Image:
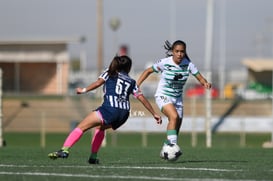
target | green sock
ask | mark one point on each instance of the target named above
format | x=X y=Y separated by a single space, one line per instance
x=171 y=132
x=172 y=136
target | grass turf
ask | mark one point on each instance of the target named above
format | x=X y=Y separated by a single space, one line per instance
x=24 y=159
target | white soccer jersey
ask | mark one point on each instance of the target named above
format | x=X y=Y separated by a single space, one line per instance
x=173 y=76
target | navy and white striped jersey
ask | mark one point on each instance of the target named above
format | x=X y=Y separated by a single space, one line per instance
x=118 y=89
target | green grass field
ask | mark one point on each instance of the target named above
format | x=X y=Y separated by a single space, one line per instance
x=24 y=159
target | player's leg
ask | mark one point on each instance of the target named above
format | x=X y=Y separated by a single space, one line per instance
x=172 y=134
x=167 y=107
x=90 y=121
x=173 y=118
x=97 y=140
x=114 y=119
x=180 y=110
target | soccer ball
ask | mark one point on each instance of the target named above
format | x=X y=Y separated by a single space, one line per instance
x=170 y=152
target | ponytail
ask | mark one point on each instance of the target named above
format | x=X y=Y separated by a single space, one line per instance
x=168 y=47
x=113 y=67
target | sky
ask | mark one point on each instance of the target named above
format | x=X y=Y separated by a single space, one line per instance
x=241 y=28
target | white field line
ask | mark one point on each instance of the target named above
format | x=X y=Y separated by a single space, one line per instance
x=127 y=167
x=117 y=177
x=113 y=176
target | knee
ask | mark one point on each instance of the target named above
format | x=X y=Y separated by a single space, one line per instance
x=174 y=118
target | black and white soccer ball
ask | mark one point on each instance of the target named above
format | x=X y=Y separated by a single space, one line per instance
x=170 y=152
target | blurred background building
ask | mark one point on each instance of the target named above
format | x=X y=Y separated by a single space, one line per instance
x=35 y=66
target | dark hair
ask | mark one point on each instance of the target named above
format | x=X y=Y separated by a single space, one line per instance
x=120 y=64
x=169 y=47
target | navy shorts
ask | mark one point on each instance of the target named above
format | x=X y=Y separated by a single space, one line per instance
x=113 y=116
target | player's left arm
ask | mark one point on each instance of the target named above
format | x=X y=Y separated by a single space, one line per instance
x=193 y=69
x=202 y=80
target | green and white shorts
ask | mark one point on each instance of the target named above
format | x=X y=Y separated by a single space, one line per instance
x=163 y=100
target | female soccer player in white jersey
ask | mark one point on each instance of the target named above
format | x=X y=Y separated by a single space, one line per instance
x=175 y=70
x=114 y=110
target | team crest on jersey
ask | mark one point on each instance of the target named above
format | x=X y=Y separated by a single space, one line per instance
x=177 y=77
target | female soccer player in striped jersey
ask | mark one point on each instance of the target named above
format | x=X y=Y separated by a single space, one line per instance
x=175 y=70
x=114 y=110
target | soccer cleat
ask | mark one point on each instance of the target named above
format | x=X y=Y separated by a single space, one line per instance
x=93 y=161
x=59 y=154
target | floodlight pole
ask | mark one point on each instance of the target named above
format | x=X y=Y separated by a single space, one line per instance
x=114 y=25
x=272 y=107
x=222 y=68
x=208 y=52
x=100 y=35
x=271 y=20
x=83 y=59
x=1 y=115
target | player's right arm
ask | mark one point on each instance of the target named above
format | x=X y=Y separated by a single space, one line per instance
x=100 y=81
x=91 y=87
x=149 y=107
x=139 y=96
